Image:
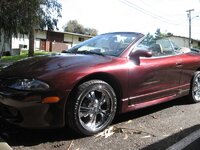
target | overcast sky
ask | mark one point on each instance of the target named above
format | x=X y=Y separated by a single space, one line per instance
x=133 y=15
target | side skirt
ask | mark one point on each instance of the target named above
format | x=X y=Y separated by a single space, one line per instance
x=126 y=106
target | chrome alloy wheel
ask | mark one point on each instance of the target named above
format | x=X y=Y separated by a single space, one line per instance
x=196 y=87
x=96 y=109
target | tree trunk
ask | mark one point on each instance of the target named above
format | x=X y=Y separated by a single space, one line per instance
x=1 y=42
x=5 y=43
x=31 y=43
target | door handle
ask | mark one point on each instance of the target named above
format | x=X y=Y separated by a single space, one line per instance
x=178 y=64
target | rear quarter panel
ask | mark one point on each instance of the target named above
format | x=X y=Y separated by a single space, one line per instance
x=190 y=64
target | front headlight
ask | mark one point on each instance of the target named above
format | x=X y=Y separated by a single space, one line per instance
x=28 y=84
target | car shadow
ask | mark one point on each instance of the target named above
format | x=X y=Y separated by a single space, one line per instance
x=150 y=110
x=16 y=136
x=173 y=139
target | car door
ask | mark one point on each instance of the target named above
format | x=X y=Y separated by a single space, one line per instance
x=155 y=77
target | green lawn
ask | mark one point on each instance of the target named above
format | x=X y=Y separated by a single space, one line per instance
x=6 y=60
x=18 y=57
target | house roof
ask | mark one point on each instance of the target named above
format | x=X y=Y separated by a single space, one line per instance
x=184 y=37
x=69 y=33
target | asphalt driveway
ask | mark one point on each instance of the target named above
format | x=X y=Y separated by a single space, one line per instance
x=157 y=127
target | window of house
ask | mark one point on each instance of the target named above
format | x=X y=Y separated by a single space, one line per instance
x=80 y=39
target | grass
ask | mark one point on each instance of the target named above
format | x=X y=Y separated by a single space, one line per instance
x=23 y=55
x=6 y=60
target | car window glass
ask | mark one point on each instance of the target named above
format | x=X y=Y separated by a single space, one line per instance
x=159 y=47
x=112 y=44
x=166 y=46
x=177 y=49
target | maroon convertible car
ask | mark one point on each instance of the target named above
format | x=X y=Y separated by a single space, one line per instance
x=85 y=86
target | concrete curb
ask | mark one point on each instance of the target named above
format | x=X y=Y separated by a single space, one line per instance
x=4 y=145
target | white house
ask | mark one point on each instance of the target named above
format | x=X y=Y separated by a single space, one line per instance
x=44 y=40
x=21 y=42
x=184 y=41
x=50 y=40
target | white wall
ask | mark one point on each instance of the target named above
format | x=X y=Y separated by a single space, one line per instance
x=72 y=40
x=69 y=39
x=40 y=34
x=37 y=44
x=75 y=40
x=25 y=41
x=20 y=41
x=183 y=42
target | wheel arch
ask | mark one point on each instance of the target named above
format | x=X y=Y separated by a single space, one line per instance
x=191 y=98
x=108 y=78
x=191 y=81
x=198 y=69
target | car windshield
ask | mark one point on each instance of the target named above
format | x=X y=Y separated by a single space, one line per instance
x=112 y=44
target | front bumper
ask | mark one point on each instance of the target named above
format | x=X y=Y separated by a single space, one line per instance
x=26 y=110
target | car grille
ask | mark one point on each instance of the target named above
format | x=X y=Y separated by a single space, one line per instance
x=10 y=113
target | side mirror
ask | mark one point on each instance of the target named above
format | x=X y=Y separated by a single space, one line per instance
x=141 y=53
x=135 y=56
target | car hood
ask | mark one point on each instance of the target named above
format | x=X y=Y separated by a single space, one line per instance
x=39 y=65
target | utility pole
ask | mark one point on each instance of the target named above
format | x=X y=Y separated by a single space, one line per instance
x=189 y=17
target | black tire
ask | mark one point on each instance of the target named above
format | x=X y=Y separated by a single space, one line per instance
x=91 y=107
x=194 y=96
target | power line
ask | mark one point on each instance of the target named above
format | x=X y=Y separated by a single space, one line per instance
x=154 y=8
x=136 y=7
x=130 y=4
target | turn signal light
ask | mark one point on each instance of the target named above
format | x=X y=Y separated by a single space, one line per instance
x=53 y=99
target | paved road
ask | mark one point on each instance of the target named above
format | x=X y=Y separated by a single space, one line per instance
x=191 y=141
x=157 y=127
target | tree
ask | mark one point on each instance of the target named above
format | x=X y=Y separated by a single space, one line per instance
x=75 y=27
x=90 y=31
x=24 y=16
x=169 y=34
x=158 y=34
x=149 y=39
